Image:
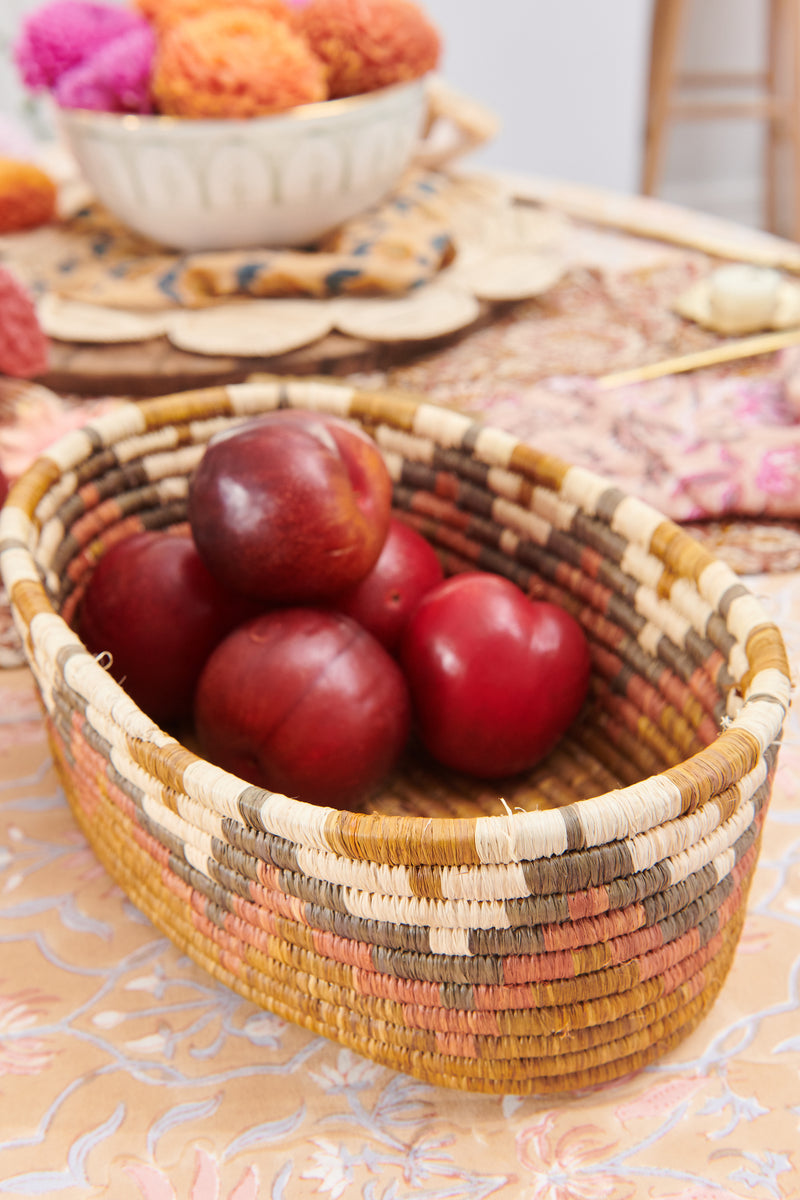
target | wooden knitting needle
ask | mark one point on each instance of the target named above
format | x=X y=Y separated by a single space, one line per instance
x=749 y=347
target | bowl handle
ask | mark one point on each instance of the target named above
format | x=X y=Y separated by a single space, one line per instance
x=455 y=125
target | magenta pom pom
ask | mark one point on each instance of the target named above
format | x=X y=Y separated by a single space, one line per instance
x=116 y=78
x=63 y=34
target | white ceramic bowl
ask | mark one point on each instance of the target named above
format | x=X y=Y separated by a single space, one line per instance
x=282 y=180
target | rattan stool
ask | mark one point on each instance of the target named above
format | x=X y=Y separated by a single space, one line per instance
x=774 y=98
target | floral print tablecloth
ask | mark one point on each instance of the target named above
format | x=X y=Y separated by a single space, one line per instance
x=127 y=1073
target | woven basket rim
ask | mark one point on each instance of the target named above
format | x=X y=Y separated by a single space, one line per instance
x=633 y=809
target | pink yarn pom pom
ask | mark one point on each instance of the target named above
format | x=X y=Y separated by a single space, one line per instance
x=63 y=34
x=116 y=78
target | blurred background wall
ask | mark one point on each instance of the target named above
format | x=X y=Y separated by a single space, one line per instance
x=568 y=82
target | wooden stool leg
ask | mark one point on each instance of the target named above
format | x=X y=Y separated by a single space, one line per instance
x=774 y=126
x=793 y=120
x=668 y=18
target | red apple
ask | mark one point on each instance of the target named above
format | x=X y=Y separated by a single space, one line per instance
x=305 y=702
x=153 y=605
x=495 y=678
x=292 y=507
x=383 y=601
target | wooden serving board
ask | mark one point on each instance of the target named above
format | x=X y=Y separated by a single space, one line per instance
x=156 y=367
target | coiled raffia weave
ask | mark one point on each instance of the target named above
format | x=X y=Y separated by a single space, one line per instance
x=556 y=935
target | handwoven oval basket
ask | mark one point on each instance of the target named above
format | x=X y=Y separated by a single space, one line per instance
x=545 y=935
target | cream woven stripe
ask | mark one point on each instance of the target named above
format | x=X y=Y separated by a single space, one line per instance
x=404 y=910
x=521 y=520
x=62 y=489
x=200 y=816
x=771 y=682
x=661 y=614
x=394 y=465
x=471 y=884
x=252 y=398
x=738 y=662
x=495 y=447
x=165 y=438
x=687 y=600
x=172 y=463
x=213 y=787
x=558 y=512
x=715 y=581
x=124 y=421
x=724 y=863
x=636 y=521
x=583 y=489
x=505 y=483
x=203 y=431
x=745 y=614
x=70 y=450
x=662 y=843
x=451 y=942
x=514 y=839
x=18 y=567
x=649 y=638
x=718 y=842
x=763 y=719
x=406 y=445
x=17 y=525
x=642 y=566
x=50 y=538
x=509 y=542
x=447 y=428
x=109 y=726
x=363 y=876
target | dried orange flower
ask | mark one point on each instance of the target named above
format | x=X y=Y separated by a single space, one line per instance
x=234 y=62
x=369 y=44
x=27 y=196
x=166 y=13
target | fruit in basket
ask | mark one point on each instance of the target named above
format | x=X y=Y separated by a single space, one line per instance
x=303 y=701
x=383 y=601
x=234 y=62
x=155 y=608
x=495 y=678
x=292 y=507
x=369 y=44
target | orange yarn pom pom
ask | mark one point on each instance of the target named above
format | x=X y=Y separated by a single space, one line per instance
x=234 y=62
x=27 y=196
x=369 y=44
x=165 y=13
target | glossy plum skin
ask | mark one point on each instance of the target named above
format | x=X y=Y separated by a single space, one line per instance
x=291 y=507
x=155 y=608
x=305 y=702
x=495 y=678
x=384 y=600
